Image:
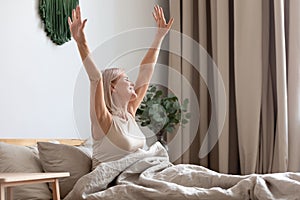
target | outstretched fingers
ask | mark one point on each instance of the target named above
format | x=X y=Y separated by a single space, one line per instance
x=155 y=13
x=83 y=23
x=159 y=12
x=73 y=15
x=160 y=19
x=156 y=10
x=155 y=17
x=170 y=23
x=69 y=21
x=78 y=13
x=163 y=16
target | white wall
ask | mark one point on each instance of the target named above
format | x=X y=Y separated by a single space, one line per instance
x=38 y=79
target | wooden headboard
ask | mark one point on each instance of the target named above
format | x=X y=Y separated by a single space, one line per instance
x=28 y=142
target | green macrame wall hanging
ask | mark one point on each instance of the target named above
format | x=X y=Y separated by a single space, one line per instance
x=54 y=14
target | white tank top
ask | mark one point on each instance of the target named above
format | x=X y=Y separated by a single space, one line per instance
x=122 y=138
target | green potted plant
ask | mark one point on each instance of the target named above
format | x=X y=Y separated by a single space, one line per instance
x=162 y=113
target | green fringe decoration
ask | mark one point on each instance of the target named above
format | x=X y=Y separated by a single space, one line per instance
x=54 y=15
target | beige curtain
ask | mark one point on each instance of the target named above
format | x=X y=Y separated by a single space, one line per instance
x=255 y=46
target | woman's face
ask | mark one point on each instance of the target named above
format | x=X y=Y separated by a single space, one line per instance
x=125 y=88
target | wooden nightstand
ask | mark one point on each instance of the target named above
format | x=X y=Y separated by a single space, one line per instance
x=8 y=180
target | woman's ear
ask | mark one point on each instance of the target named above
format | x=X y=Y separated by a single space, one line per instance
x=112 y=87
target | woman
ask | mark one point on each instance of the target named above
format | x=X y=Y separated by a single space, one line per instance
x=114 y=99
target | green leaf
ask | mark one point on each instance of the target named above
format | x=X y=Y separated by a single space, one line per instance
x=142 y=106
x=145 y=114
x=158 y=94
x=173 y=98
x=188 y=115
x=186 y=101
x=157 y=117
x=144 y=123
x=152 y=88
x=139 y=112
x=167 y=105
x=176 y=105
x=169 y=129
x=184 y=121
x=185 y=104
x=148 y=96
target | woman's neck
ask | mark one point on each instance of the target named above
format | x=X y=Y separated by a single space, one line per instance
x=122 y=108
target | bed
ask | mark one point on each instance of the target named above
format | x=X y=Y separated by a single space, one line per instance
x=145 y=175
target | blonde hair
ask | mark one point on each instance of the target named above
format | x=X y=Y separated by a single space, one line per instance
x=109 y=76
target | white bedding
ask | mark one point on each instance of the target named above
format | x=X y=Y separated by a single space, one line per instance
x=150 y=175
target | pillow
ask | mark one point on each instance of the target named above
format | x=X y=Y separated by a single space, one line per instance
x=15 y=158
x=64 y=158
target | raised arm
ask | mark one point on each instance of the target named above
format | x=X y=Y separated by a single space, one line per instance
x=77 y=30
x=150 y=59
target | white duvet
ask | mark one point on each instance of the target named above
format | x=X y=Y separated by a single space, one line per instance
x=150 y=175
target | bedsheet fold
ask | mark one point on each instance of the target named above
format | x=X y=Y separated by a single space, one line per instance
x=150 y=175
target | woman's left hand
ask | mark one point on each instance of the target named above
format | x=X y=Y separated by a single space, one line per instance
x=163 y=27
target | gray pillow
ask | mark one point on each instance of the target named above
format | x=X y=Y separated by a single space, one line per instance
x=15 y=158
x=64 y=158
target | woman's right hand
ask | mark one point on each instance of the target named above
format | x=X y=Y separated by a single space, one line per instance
x=77 y=26
x=159 y=16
